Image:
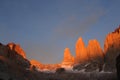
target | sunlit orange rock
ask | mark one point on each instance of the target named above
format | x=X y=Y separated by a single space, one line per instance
x=13 y=56
x=17 y=48
x=44 y=67
x=81 y=52
x=68 y=58
x=112 y=40
x=112 y=49
x=36 y=64
x=94 y=50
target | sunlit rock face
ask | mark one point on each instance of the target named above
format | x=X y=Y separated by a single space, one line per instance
x=94 y=58
x=81 y=52
x=13 y=66
x=13 y=57
x=112 y=49
x=17 y=48
x=14 y=53
x=68 y=58
x=112 y=40
x=17 y=54
x=85 y=54
x=37 y=64
x=44 y=67
x=90 y=58
x=94 y=50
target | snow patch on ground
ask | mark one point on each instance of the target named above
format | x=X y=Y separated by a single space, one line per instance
x=68 y=68
x=87 y=64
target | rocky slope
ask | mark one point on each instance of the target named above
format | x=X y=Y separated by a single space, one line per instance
x=98 y=57
x=10 y=52
x=37 y=64
x=17 y=49
x=13 y=64
x=112 y=49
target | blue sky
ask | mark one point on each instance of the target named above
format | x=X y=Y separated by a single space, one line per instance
x=45 y=27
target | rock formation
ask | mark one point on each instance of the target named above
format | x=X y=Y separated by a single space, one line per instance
x=111 y=49
x=17 y=48
x=37 y=64
x=81 y=52
x=12 y=64
x=91 y=57
x=15 y=65
x=4 y=50
x=94 y=50
x=95 y=58
x=68 y=58
x=118 y=66
x=16 y=54
x=44 y=67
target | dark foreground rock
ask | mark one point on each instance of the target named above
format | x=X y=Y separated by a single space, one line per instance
x=118 y=66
